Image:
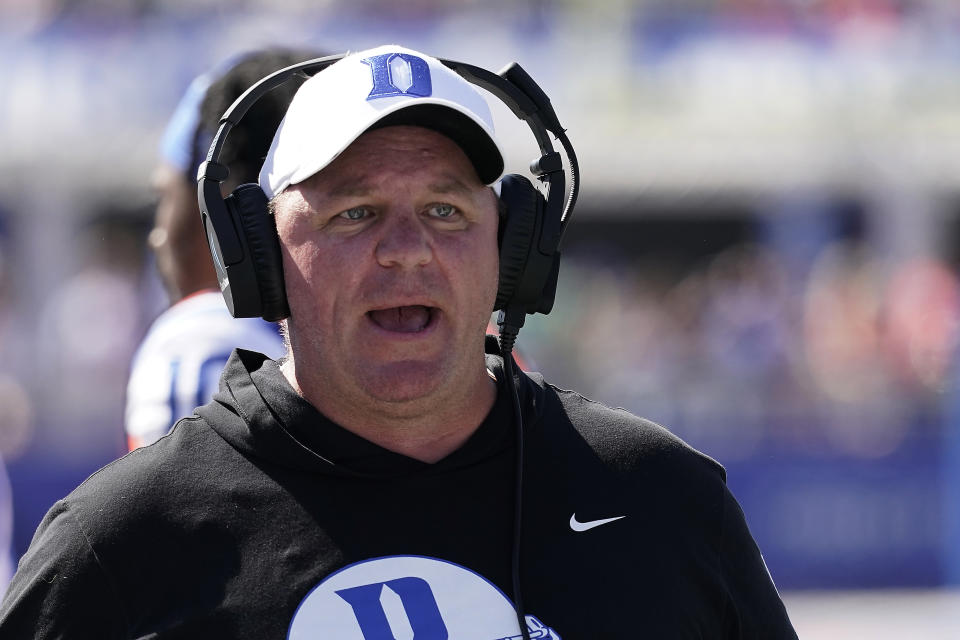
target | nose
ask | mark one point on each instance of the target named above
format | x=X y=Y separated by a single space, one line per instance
x=404 y=242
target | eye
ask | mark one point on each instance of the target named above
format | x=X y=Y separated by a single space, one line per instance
x=355 y=213
x=442 y=210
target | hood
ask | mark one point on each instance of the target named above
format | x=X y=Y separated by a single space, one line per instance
x=259 y=414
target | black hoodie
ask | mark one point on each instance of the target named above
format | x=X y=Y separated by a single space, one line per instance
x=259 y=518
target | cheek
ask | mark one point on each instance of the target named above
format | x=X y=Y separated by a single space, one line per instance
x=301 y=273
x=491 y=262
x=320 y=279
x=481 y=263
x=298 y=249
x=493 y=253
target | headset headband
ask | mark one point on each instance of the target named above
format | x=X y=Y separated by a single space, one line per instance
x=512 y=86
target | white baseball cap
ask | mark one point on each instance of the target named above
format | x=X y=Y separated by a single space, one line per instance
x=388 y=85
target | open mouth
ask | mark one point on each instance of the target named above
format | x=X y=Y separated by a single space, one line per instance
x=409 y=319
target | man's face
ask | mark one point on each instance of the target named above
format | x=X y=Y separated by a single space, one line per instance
x=390 y=260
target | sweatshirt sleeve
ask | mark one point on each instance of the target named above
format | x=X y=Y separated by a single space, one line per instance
x=754 y=608
x=60 y=590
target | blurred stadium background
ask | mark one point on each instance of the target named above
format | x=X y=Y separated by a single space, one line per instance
x=765 y=257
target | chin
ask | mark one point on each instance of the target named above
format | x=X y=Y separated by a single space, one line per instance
x=404 y=381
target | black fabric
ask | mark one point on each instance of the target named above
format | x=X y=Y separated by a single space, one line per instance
x=523 y=204
x=222 y=528
x=250 y=203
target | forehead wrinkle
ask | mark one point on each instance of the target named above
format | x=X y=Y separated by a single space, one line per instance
x=450 y=184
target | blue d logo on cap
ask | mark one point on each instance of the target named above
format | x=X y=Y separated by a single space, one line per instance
x=398 y=74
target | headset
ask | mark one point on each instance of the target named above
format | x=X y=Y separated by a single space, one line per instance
x=243 y=239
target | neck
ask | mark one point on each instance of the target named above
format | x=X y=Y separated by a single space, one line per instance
x=426 y=429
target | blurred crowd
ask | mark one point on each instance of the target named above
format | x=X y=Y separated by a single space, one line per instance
x=782 y=9
x=741 y=352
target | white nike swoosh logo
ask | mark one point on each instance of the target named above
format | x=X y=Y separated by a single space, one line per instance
x=584 y=526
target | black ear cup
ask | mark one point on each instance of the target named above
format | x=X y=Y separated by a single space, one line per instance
x=248 y=206
x=524 y=209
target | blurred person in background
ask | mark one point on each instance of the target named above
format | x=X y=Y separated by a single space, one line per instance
x=178 y=364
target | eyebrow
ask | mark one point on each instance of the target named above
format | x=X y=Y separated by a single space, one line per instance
x=348 y=189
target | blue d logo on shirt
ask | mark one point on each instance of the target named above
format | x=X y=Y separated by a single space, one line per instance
x=409 y=598
x=398 y=74
x=417 y=600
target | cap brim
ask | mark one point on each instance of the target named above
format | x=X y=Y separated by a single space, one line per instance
x=476 y=144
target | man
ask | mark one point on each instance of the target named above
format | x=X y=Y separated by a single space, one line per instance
x=364 y=486
x=178 y=364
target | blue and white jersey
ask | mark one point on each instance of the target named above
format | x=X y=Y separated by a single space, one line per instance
x=177 y=366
